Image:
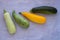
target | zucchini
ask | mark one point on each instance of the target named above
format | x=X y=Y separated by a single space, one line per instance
x=20 y=20
x=10 y=24
x=34 y=18
x=44 y=10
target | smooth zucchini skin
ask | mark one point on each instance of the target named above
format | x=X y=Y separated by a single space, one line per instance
x=9 y=23
x=34 y=18
x=44 y=10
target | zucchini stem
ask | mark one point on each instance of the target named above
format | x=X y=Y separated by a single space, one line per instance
x=4 y=11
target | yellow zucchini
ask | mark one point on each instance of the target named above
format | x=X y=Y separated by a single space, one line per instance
x=34 y=18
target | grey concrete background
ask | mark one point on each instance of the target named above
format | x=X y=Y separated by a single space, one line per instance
x=48 y=31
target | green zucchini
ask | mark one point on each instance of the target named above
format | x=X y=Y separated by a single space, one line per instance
x=20 y=20
x=44 y=10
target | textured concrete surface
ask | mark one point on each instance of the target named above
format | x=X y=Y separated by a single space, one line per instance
x=48 y=31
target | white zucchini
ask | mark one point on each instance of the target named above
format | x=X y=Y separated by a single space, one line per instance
x=10 y=25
